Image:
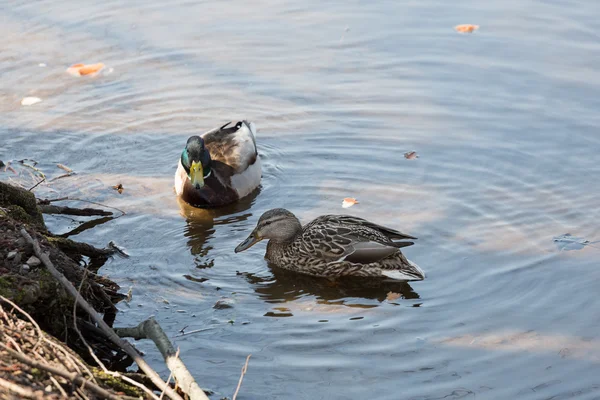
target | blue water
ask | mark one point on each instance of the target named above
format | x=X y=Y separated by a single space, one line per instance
x=505 y=122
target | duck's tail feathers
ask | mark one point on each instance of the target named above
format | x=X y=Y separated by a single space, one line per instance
x=410 y=272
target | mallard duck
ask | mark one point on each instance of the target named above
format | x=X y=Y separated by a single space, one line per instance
x=219 y=167
x=333 y=245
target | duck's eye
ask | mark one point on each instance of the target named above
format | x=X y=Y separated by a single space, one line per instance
x=268 y=223
x=238 y=125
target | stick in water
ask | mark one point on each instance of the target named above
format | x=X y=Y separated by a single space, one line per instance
x=244 y=369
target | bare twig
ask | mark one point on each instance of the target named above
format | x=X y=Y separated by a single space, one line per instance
x=98 y=204
x=71 y=376
x=48 y=201
x=170 y=376
x=85 y=343
x=244 y=369
x=39 y=171
x=36 y=185
x=65 y=168
x=126 y=346
x=150 y=329
x=61 y=176
x=37 y=327
x=60 y=389
x=192 y=332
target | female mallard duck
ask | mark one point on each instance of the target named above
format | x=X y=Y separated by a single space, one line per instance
x=333 y=245
x=220 y=167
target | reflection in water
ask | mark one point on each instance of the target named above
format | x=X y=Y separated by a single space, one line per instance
x=289 y=286
x=201 y=222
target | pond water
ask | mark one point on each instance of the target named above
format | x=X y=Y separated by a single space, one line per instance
x=506 y=125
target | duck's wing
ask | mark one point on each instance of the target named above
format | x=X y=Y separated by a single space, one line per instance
x=233 y=145
x=345 y=238
x=367 y=227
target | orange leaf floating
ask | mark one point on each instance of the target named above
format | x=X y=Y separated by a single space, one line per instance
x=84 y=69
x=349 y=202
x=466 y=28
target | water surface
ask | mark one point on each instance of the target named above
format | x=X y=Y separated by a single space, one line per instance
x=505 y=122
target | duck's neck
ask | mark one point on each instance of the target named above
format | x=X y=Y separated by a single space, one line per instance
x=277 y=248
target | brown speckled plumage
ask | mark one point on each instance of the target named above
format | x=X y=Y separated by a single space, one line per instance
x=333 y=245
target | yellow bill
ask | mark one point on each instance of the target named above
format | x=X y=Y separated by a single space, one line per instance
x=197 y=175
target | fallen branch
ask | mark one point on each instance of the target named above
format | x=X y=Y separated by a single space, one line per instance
x=126 y=346
x=48 y=201
x=150 y=329
x=100 y=363
x=244 y=369
x=84 y=212
x=71 y=376
x=170 y=376
x=71 y=246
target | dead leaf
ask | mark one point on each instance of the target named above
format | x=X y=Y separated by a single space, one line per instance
x=392 y=296
x=349 y=202
x=411 y=155
x=84 y=69
x=119 y=188
x=466 y=28
x=29 y=101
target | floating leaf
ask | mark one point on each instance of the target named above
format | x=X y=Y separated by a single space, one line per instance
x=29 y=101
x=84 y=69
x=466 y=28
x=411 y=155
x=569 y=242
x=349 y=202
x=191 y=278
x=119 y=188
x=392 y=296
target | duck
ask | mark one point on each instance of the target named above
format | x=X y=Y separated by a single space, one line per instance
x=220 y=167
x=333 y=246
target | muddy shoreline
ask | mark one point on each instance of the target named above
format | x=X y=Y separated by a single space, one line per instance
x=25 y=282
